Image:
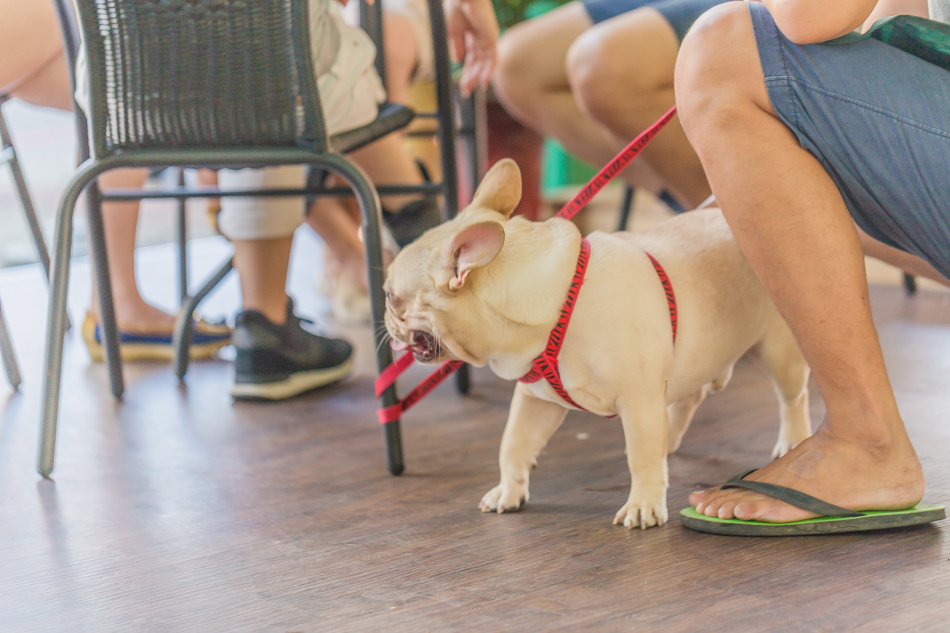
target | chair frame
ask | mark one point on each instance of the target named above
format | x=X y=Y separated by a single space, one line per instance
x=8 y=156
x=84 y=180
x=367 y=195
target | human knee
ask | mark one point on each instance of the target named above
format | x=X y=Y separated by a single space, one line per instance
x=616 y=68
x=713 y=64
x=591 y=74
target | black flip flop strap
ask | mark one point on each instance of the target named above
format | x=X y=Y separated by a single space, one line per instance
x=790 y=496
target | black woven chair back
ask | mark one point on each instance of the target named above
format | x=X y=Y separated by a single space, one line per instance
x=174 y=74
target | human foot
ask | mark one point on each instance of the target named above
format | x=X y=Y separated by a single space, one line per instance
x=276 y=362
x=137 y=316
x=841 y=472
x=146 y=335
x=346 y=283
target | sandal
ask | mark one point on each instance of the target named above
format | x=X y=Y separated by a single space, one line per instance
x=142 y=344
x=833 y=519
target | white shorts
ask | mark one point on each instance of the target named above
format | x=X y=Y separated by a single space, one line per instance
x=350 y=94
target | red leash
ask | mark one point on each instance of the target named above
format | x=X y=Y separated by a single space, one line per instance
x=568 y=211
x=614 y=167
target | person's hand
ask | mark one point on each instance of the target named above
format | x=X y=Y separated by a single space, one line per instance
x=473 y=34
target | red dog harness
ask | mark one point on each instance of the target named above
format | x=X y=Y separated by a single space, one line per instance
x=542 y=365
x=546 y=366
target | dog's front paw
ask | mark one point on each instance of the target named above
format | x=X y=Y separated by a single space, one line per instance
x=504 y=498
x=642 y=514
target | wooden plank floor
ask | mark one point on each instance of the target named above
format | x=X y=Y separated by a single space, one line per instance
x=180 y=511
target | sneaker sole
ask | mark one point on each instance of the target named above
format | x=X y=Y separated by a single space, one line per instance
x=293 y=385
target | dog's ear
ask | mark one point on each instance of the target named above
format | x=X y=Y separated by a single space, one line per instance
x=501 y=188
x=473 y=247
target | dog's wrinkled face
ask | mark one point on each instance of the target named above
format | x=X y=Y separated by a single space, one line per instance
x=429 y=285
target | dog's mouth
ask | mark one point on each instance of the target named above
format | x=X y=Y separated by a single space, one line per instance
x=424 y=346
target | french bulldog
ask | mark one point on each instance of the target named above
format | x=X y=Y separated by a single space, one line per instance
x=487 y=288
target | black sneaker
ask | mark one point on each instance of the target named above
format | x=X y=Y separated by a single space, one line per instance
x=275 y=362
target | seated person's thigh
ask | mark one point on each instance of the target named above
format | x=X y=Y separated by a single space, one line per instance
x=878 y=120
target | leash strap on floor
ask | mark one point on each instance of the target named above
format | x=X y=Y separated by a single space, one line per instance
x=389 y=375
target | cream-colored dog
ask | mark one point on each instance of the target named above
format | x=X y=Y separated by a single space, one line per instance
x=487 y=288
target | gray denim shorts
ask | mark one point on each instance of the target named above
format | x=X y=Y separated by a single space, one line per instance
x=878 y=119
x=679 y=13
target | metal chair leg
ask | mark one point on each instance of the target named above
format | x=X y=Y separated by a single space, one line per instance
x=910 y=284
x=626 y=206
x=181 y=338
x=372 y=220
x=100 y=262
x=56 y=322
x=445 y=109
x=472 y=133
x=9 y=357
x=25 y=199
x=182 y=242
x=446 y=113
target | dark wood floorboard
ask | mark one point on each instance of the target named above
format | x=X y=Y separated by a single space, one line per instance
x=178 y=510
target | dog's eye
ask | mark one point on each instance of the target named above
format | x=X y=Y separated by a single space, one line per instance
x=393 y=300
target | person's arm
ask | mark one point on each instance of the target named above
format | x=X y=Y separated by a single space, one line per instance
x=813 y=21
x=473 y=33
x=472 y=29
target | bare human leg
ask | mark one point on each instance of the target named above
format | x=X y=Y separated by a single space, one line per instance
x=402 y=56
x=337 y=221
x=621 y=74
x=121 y=219
x=790 y=220
x=338 y=226
x=898 y=258
x=262 y=266
x=31 y=42
x=532 y=83
x=34 y=69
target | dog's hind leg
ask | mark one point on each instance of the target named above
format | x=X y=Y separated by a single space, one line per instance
x=681 y=412
x=531 y=423
x=779 y=354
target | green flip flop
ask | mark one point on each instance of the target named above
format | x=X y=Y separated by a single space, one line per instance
x=833 y=520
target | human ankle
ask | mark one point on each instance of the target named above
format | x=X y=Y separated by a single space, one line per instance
x=272 y=314
x=871 y=421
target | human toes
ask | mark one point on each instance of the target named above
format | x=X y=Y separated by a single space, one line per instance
x=712 y=503
x=757 y=507
x=700 y=497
